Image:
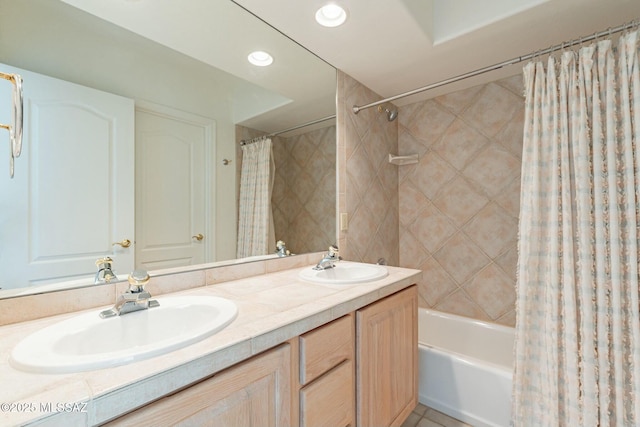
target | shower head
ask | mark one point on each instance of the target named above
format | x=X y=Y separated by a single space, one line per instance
x=391 y=114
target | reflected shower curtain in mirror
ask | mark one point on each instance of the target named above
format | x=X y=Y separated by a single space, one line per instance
x=578 y=323
x=256 y=183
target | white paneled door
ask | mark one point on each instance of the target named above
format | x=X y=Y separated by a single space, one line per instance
x=72 y=197
x=173 y=224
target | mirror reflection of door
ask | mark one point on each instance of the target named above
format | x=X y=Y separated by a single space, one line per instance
x=173 y=174
x=72 y=195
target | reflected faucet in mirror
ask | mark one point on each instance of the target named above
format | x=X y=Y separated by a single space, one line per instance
x=281 y=249
x=105 y=272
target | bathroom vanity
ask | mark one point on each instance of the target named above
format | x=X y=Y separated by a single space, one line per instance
x=298 y=353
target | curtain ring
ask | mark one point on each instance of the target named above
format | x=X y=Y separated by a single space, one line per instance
x=565 y=47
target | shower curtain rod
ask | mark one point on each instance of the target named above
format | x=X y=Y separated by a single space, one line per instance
x=594 y=36
x=313 y=122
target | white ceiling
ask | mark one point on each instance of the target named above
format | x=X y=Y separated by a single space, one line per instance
x=388 y=45
x=300 y=87
x=391 y=46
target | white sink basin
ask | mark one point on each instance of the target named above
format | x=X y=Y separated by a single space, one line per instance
x=345 y=273
x=87 y=341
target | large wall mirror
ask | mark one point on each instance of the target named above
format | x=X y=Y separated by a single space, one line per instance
x=173 y=73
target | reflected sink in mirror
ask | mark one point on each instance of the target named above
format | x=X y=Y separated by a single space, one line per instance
x=344 y=273
x=87 y=341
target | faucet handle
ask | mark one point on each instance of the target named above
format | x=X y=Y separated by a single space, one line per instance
x=333 y=250
x=137 y=280
x=104 y=262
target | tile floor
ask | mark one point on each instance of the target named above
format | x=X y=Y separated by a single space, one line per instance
x=424 y=416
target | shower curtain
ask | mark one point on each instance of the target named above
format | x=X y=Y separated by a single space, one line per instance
x=255 y=221
x=578 y=324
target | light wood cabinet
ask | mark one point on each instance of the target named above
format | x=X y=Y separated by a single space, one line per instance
x=330 y=400
x=387 y=357
x=328 y=375
x=360 y=369
x=325 y=347
x=256 y=393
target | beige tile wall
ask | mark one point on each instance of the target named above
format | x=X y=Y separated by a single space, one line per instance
x=459 y=205
x=304 y=191
x=367 y=183
x=454 y=215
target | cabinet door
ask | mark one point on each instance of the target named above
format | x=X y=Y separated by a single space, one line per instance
x=253 y=393
x=387 y=354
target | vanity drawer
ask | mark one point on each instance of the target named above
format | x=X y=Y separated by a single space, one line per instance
x=325 y=347
x=330 y=400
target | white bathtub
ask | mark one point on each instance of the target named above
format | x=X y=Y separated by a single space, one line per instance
x=465 y=368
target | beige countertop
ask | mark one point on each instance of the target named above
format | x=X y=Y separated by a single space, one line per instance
x=272 y=308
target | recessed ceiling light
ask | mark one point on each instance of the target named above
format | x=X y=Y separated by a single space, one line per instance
x=260 y=58
x=331 y=15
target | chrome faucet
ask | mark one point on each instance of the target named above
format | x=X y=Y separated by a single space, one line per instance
x=281 y=249
x=329 y=259
x=105 y=273
x=136 y=298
